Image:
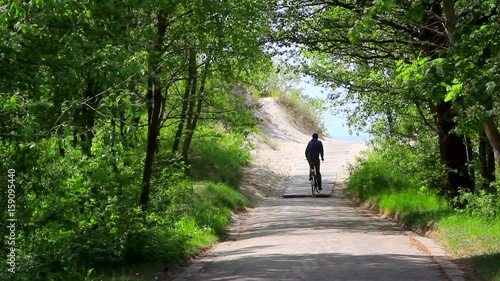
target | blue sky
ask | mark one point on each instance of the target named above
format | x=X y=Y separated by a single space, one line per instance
x=336 y=124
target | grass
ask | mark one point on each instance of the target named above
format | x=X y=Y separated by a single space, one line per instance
x=272 y=144
x=303 y=110
x=224 y=196
x=472 y=239
x=486 y=266
x=415 y=207
x=214 y=204
x=219 y=158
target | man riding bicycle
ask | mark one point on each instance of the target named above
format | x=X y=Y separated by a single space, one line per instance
x=313 y=150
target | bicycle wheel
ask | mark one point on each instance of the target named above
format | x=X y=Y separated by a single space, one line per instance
x=311 y=180
x=314 y=183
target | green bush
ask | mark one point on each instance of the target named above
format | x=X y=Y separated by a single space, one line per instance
x=374 y=177
x=481 y=204
x=219 y=156
x=81 y=214
x=416 y=158
x=224 y=195
x=377 y=180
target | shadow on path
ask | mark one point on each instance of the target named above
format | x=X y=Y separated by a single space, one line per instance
x=322 y=267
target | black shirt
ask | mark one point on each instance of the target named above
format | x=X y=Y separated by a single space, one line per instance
x=313 y=150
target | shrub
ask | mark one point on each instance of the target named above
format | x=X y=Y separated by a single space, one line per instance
x=219 y=157
x=373 y=177
x=481 y=204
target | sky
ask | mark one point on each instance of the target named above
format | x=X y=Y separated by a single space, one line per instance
x=336 y=124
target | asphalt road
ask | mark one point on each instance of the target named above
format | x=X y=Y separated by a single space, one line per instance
x=320 y=239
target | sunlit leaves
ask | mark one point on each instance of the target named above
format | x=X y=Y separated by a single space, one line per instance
x=454 y=91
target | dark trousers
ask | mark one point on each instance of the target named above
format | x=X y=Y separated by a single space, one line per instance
x=316 y=165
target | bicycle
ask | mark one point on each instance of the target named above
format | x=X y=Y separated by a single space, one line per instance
x=314 y=181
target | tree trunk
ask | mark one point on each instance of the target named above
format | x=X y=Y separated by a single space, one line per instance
x=191 y=79
x=189 y=119
x=493 y=134
x=486 y=160
x=195 y=116
x=470 y=159
x=450 y=14
x=453 y=151
x=452 y=147
x=87 y=121
x=154 y=97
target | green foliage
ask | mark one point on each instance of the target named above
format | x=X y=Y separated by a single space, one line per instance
x=76 y=211
x=378 y=180
x=224 y=196
x=425 y=94
x=219 y=156
x=411 y=83
x=411 y=155
x=74 y=100
x=83 y=213
x=481 y=204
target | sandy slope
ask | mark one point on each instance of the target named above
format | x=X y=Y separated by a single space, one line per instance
x=278 y=152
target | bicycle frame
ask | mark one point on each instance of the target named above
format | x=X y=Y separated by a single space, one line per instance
x=314 y=181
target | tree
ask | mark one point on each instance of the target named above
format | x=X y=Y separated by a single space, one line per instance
x=222 y=35
x=88 y=92
x=351 y=36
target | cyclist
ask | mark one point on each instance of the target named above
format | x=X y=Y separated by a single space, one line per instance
x=314 y=150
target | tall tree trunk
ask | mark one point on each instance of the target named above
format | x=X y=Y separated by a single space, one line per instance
x=87 y=121
x=196 y=114
x=154 y=98
x=450 y=14
x=486 y=161
x=452 y=147
x=470 y=159
x=191 y=79
x=493 y=134
x=453 y=151
x=189 y=119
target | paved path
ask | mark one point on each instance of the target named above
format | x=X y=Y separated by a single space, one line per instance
x=335 y=154
x=321 y=239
